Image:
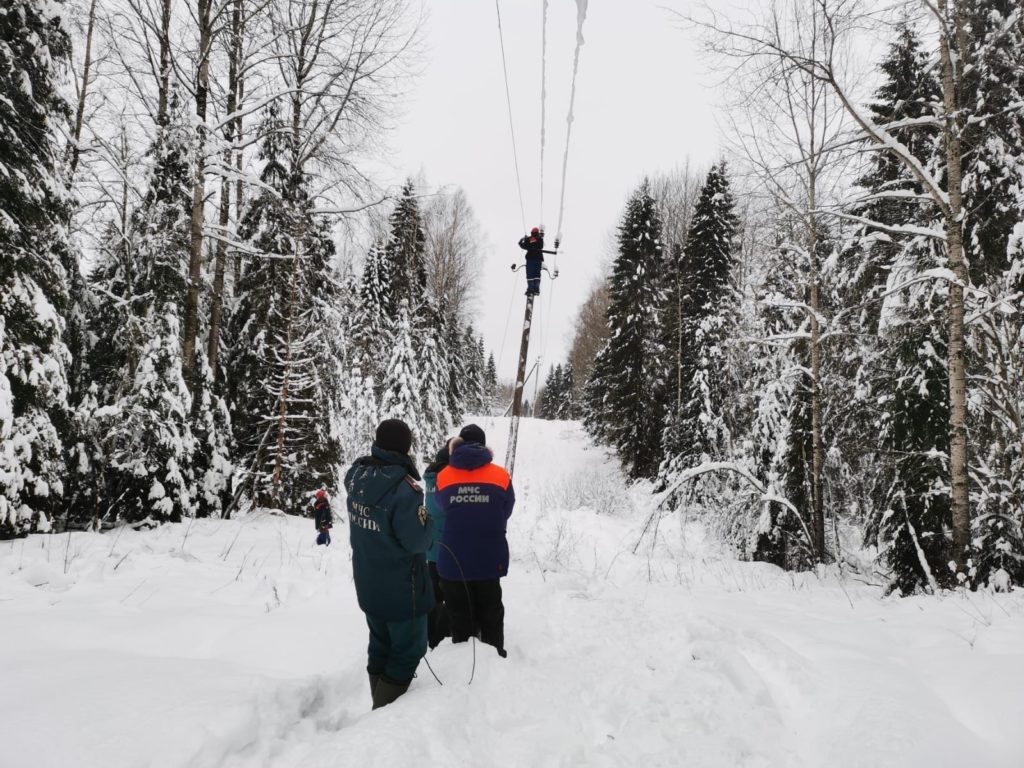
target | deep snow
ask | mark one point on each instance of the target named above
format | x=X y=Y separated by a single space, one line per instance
x=239 y=643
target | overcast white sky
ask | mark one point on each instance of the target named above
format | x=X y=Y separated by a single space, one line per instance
x=642 y=105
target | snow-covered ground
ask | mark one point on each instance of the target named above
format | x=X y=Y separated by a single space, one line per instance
x=239 y=643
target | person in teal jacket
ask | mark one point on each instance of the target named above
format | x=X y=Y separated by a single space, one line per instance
x=437 y=622
x=390 y=532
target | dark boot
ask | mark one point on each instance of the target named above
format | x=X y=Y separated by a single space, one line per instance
x=387 y=691
x=374 y=679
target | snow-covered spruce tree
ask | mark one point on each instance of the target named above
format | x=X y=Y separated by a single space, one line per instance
x=676 y=293
x=885 y=393
x=432 y=333
x=997 y=558
x=458 y=363
x=356 y=417
x=567 y=409
x=557 y=397
x=284 y=336
x=434 y=361
x=405 y=255
x=697 y=430
x=252 y=329
x=370 y=337
x=855 y=361
x=993 y=141
x=550 y=394
x=109 y=363
x=993 y=230
x=34 y=279
x=900 y=374
x=147 y=438
x=401 y=398
x=908 y=92
x=213 y=459
x=357 y=413
x=776 y=537
x=479 y=373
x=629 y=374
x=481 y=360
x=453 y=360
x=433 y=384
x=775 y=447
x=490 y=384
x=912 y=527
x=595 y=392
x=114 y=325
x=472 y=391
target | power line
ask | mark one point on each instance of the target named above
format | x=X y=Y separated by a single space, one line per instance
x=581 y=16
x=511 y=124
x=543 y=96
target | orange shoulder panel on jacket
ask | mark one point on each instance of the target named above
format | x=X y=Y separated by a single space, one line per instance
x=491 y=474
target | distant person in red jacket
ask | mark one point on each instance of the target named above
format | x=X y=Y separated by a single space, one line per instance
x=322 y=518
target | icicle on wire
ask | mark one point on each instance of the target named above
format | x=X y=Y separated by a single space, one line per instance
x=581 y=16
x=511 y=124
x=543 y=96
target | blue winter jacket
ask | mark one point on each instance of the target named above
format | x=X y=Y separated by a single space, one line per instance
x=476 y=498
x=390 y=531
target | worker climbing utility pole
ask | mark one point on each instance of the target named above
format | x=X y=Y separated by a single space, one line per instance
x=517 y=397
x=533 y=244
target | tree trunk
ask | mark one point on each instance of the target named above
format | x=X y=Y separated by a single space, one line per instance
x=188 y=350
x=951 y=76
x=299 y=235
x=679 y=330
x=75 y=148
x=237 y=36
x=282 y=401
x=220 y=259
x=164 y=86
x=817 y=450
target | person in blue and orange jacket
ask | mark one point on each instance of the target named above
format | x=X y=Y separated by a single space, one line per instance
x=476 y=497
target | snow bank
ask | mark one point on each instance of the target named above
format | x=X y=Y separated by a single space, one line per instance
x=239 y=643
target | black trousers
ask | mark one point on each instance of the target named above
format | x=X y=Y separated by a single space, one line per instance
x=533 y=272
x=437 y=621
x=475 y=606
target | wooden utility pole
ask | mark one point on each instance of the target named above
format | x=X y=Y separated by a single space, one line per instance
x=517 y=397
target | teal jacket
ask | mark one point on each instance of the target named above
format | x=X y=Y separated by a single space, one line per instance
x=433 y=509
x=435 y=512
x=390 y=533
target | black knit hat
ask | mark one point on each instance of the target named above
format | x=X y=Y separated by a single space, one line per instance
x=394 y=435
x=440 y=460
x=471 y=433
x=442 y=456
